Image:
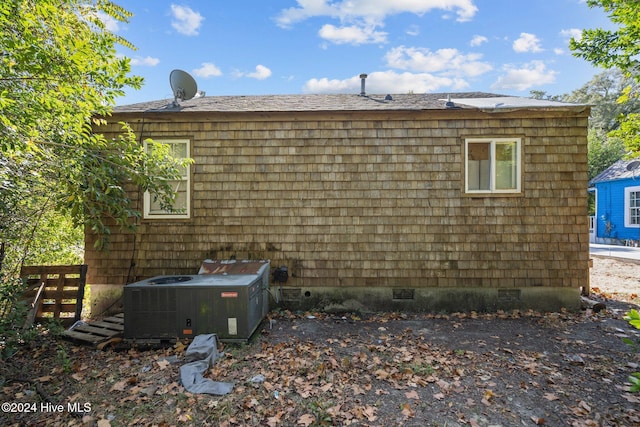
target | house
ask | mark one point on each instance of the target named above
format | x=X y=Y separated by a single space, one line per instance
x=617 y=216
x=468 y=201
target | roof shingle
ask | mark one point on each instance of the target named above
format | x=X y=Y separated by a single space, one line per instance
x=336 y=102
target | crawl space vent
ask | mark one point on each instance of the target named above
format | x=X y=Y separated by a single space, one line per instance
x=404 y=294
x=291 y=294
x=508 y=295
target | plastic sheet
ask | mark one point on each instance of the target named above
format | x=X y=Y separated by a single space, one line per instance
x=201 y=354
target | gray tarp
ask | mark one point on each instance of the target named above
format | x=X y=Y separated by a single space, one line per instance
x=201 y=355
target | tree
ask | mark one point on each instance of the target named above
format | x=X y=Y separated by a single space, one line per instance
x=603 y=93
x=59 y=74
x=603 y=151
x=617 y=49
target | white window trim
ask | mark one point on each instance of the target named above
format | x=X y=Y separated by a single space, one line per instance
x=627 y=206
x=147 y=196
x=493 y=142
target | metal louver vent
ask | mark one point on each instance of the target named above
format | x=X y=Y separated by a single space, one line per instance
x=404 y=294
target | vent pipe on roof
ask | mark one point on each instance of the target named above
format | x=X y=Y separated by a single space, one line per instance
x=363 y=77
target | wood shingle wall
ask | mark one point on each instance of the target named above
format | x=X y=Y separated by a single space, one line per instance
x=367 y=200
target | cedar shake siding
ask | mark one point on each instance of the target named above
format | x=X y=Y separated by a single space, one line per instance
x=364 y=200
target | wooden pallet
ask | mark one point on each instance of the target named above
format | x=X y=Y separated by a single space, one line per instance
x=53 y=292
x=98 y=331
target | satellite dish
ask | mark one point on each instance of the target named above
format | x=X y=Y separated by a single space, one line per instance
x=183 y=85
x=633 y=165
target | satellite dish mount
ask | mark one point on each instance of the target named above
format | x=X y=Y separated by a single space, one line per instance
x=183 y=85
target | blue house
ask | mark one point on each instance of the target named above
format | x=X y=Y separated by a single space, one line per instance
x=617 y=216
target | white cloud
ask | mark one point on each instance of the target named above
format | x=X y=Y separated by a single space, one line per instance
x=206 y=70
x=478 y=40
x=360 y=18
x=261 y=73
x=351 y=35
x=146 y=61
x=371 y=9
x=572 y=33
x=185 y=20
x=558 y=51
x=383 y=82
x=530 y=75
x=413 y=30
x=527 y=43
x=444 y=61
x=307 y=9
x=110 y=23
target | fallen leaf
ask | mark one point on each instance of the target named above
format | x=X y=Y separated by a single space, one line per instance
x=486 y=399
x=184 y=418
x=119 y=386
x=179 y=347
x=538 y=421
x=551 y=397
x=103 y=423
x=45 y=378
x=412 y=394
x=163 y=364
x=439 y=396
x=407 y=411
x=306 y=420
x=381 y=374
x=275 y=420
x=357 y=390
x=370 y=413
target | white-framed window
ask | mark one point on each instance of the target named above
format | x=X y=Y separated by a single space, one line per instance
x=492 y=165
x=632 y=207
x=182 y=204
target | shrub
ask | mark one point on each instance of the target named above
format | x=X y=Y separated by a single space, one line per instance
x=633 y=317
x=13 y=313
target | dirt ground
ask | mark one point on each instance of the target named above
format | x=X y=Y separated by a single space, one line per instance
x=391 y=369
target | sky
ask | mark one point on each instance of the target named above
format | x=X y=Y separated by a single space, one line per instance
x=266 y=47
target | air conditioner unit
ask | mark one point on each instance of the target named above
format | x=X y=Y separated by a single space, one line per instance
x=228 y=298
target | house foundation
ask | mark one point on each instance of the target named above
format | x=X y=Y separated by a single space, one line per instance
x=447 y=300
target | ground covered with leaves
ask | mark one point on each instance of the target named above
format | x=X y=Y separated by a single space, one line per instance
x=310 y=369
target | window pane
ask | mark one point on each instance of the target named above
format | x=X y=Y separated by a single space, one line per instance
x=506 y=167
x=180 y=186
x=179 y=203
x=634 y=204
x=178 y=150
x=478 y=166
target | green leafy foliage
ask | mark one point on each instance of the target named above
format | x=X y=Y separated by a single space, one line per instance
x=12 y=316
x=603 y=93
x=634 y=378
x=603 y=151
x=633 y=317
x=629 y=132
x=612 y=48
x=619 y=48
x=59 y=76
